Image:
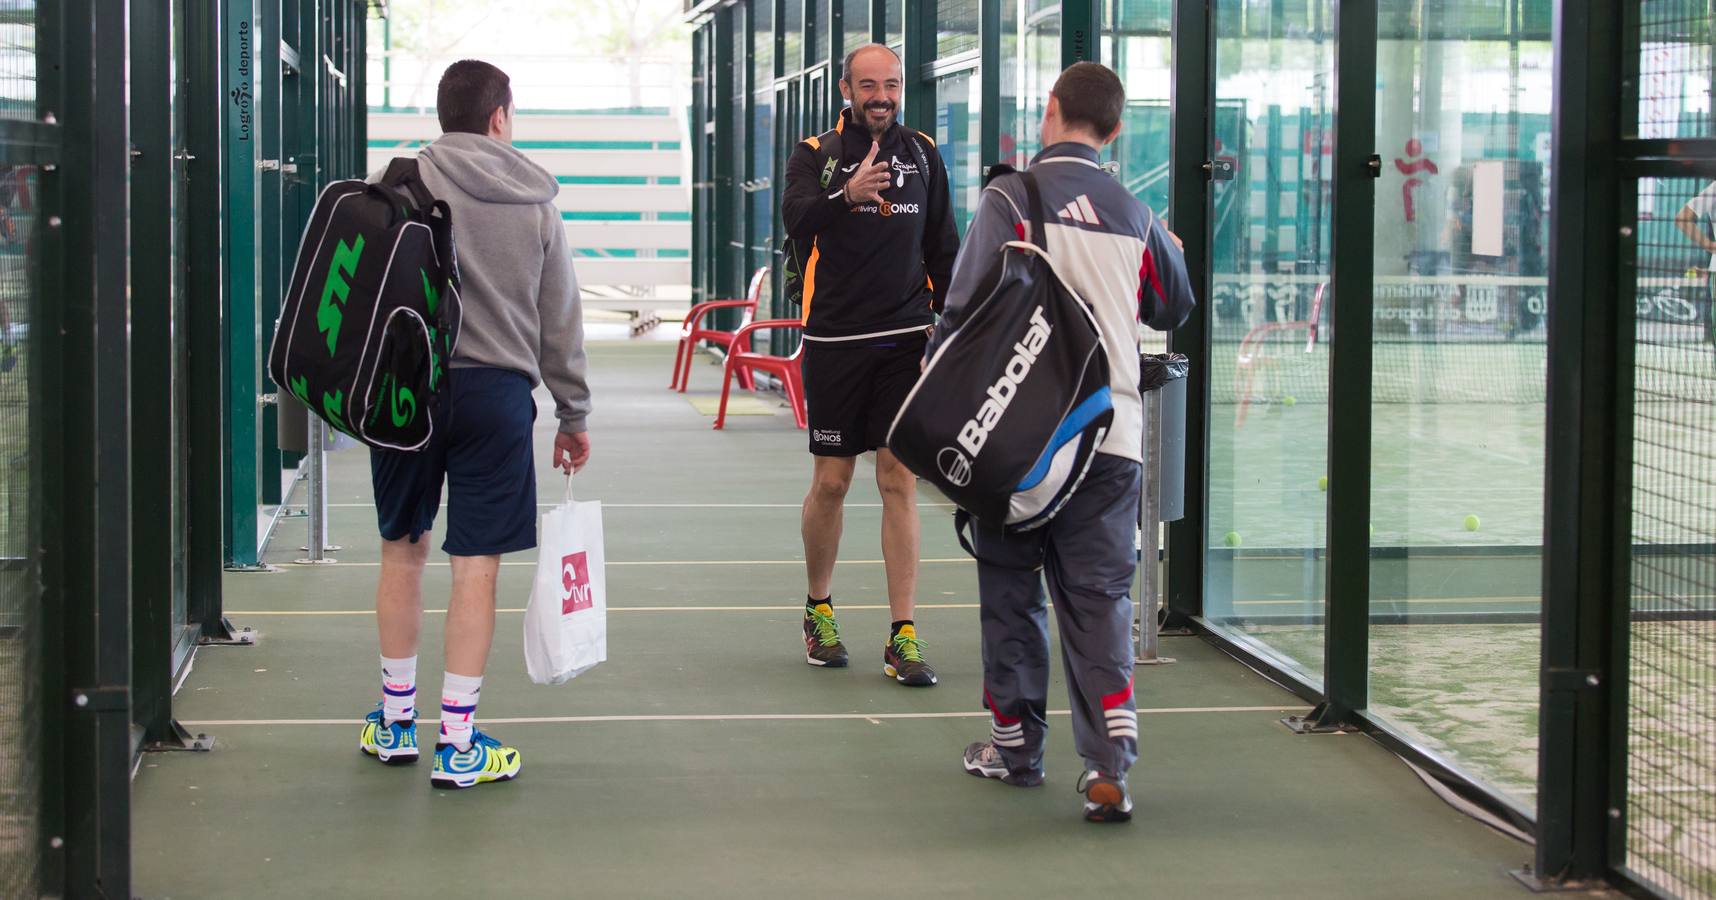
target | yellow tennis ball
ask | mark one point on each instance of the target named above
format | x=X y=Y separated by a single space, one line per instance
x=1323 y=483
x=1289 y=400
x=1471 y=523
x=1232 y=539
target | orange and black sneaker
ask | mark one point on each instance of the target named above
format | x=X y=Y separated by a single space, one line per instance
x=822 y=645
x=903 y=659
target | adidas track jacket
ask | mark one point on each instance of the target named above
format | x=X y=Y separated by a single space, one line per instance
x=1109 y=247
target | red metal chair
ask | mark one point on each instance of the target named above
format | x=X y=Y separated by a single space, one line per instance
x=741 y=358
x=693 y=331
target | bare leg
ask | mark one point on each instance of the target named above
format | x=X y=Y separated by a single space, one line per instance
x=399 y=596
x=471 y=615
x=824 y=519
x=899 y=489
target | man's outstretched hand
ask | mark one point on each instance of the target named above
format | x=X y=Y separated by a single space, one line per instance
x=571 y=451
x=867 y=183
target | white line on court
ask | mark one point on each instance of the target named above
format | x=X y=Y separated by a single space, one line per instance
x=612 y=609
x=795 y=607
x=606 y=505
x=741 y=717
x=289 y=567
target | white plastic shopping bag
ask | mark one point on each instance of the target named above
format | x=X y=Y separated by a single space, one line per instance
x=566 y=623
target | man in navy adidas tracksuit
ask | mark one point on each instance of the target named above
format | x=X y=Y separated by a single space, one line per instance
x=1113 y=251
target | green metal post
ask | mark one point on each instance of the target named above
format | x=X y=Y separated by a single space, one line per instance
x=159 y=641
x=919 y=51
x=721 y=182
x=205 y=283
x=700 y=261
x=1192 y=131
x=1346 y=664
x=96 y=500
x=1587 y=510
x=243 y=328
x=1081 y=31
x=989 y=82
x=878 y=21
x=270 y=260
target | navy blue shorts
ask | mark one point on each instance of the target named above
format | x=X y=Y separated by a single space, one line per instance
x=482 y=447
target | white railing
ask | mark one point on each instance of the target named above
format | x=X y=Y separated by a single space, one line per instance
x=401 y=81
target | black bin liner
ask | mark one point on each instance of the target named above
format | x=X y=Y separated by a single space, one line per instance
x=1166 y=372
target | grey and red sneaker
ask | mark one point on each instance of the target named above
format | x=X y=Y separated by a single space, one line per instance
x=822 y=645
x=984 y=760
x=903 y=659
x=1105 y=797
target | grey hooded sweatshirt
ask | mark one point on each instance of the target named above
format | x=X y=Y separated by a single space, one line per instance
x=521 y=305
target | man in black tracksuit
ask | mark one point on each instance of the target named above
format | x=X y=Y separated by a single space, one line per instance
x=870 y=200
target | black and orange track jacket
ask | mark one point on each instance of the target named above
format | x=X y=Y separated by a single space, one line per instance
x=872 y=273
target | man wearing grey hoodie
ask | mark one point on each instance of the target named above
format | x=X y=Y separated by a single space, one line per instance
x=522 y=326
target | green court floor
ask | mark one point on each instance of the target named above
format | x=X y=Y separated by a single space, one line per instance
x=706 y=759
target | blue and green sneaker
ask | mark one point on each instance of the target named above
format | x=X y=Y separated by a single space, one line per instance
x=393 y=743
x=487 y=760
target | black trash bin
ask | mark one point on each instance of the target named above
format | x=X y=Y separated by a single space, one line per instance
x=1163 y=377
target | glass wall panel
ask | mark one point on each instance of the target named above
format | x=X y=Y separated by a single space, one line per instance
x=956 y=26
x=958 y=105
x=894 y=22
x=763 y=42
x=1030 y=62
x=1138 y=46
x=857 y=26
x=792 y=36
x=1013 y=125
x=1269 y=409
x=735 y=247
x=1458 y=385
x=819 y=33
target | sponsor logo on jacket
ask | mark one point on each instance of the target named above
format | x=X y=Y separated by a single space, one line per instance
x=887 y=209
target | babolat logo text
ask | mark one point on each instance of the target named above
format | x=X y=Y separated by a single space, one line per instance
x=976 y=431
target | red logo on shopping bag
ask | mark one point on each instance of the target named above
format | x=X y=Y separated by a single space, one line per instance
x=575 y=591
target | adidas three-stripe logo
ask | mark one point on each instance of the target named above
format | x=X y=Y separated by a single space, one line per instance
x=1007 y=735
x=1080 y=210
x=1121 y=723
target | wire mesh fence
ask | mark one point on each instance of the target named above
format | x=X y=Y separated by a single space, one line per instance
x=20 y=600
x=1671 y=747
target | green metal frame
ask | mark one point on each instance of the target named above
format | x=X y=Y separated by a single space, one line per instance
x=1192 y=135
x=162 y=644
x=273 y=256
x=1587 y=513
x=94 y=499
x=1081 y=31
x=241 y=461
x=1346 y=666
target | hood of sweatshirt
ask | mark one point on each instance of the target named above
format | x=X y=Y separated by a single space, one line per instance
x=489 y=170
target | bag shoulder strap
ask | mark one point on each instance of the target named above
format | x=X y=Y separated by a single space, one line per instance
x=402 y=172
x=923 y=158
x=1034 y=208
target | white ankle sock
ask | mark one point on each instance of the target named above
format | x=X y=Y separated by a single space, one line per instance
x=398 y=689
x=459 y=708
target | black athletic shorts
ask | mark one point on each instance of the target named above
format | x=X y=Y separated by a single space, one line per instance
x=482 y=449
x=852 y=392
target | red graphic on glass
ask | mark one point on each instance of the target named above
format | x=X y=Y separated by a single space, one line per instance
x=1414 y=149
x=575 y=593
